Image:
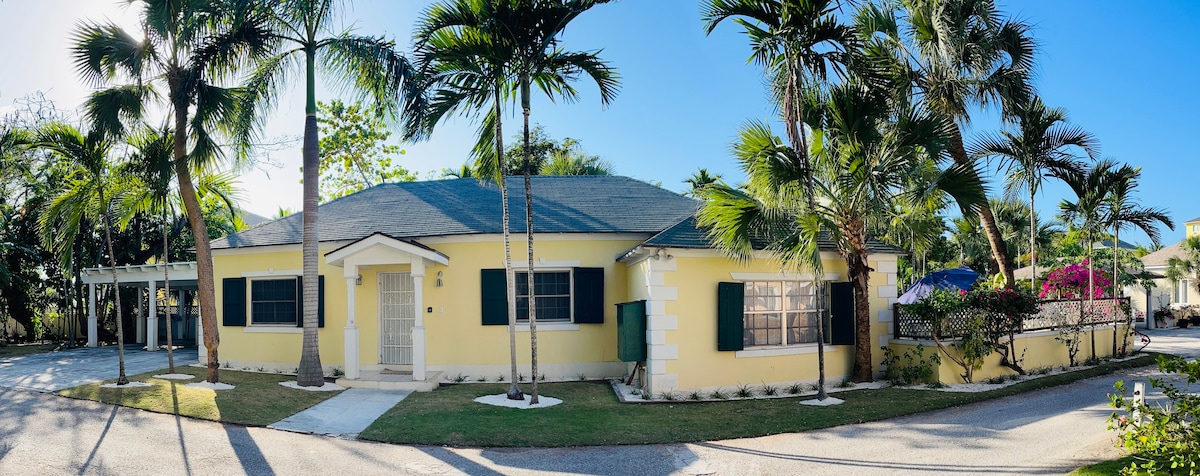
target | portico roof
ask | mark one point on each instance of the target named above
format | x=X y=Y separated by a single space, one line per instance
x=182 y=274
x=377 y=245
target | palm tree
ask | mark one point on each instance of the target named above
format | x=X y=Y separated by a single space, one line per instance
x=1089 y=213
x=302 y=31
x=861 y=160
x=698 y=181
x=796 y=42
x=84 y=198
x=960 y=53
x=463 y=67
x=463 y=171
x=1036 y=150
x=573 y=161
x=1124 y=211
x=188 y=45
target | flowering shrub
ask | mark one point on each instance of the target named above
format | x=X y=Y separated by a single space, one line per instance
x=1071 y=282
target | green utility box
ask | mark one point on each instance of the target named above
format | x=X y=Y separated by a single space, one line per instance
x=631 y=331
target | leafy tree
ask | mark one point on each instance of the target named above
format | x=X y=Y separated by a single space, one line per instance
x=1163 y=439
x=354 y=151
x=1089 y=212
x=1037 y=149
x=85 y=197
x=573 y=161
x=1124 y=211
x=698 y=181
x=954 y=54
x=189 y=46
x=301 y=40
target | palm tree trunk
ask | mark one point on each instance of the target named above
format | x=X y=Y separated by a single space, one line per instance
x=510 y=279
x=204 y=264
x=821 y=394
x=310 y=373
x=167 y=285
x=1116 y=286
x=999 y=252
x=1091 y=295
x=533 y=394
x=1032 y=243
x=859 y=273
x=112 y=263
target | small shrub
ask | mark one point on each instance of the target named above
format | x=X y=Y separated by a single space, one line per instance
x=521 y=378
x=460 y=378
x=846 y=383
x=635 y=392
x=935 y=385
x=795 y=389
x=581 y=377
x=695 y=396
x=262 y=369
x=668 y=396
x=813 y=387
x=337 y=372
x=481 y=379
x=228 y=365
x=541 y=377
x=1166 y=440
x=909 y=368
x=769 y=390
x=718 y=395
x=500 y=378
x=744 y=391
x=996 y=380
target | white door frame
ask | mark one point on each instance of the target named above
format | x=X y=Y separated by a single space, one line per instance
x=379 y=313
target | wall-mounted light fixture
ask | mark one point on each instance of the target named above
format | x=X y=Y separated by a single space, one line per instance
x=358 y=280
x=439 y=279
x=660 y=254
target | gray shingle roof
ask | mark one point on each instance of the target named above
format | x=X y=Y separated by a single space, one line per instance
x=1159 y=258
x=687 y=234
x=575 y=204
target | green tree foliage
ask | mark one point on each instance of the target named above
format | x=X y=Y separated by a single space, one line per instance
x=945 y=309
x=355 y=153
x=1162 y=437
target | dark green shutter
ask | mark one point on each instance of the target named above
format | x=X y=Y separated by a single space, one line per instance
x=589 y=295
x=233 y=305
x=841 y=313
x=320 y=301
x=494 y=294
x=631 y=331
x=730 y=311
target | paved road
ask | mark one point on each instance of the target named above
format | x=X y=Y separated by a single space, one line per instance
x=53 y=371
x=1046 y=432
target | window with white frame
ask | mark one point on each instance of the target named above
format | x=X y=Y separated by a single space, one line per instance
x=1195 y=229
x=1181 y=291
x=553 y=292
x=780 y=313
x=273 y=301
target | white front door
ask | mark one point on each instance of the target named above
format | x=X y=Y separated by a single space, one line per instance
x=397 y=316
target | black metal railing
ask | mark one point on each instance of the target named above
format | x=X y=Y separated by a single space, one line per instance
x=1052 y=314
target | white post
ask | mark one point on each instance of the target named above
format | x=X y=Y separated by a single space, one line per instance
x=93 y=336
x=201 y=350
x=351 y=330
x=418 y=331
x=152 y=318
x=1149 y=309
x=141 y=320
x=179 y=313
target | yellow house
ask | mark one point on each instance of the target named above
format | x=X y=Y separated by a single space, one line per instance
x=413 y=291
x=1165 y=292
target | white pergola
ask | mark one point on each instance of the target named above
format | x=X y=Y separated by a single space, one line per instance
x=147 y=276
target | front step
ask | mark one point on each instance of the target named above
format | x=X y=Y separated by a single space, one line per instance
x=392 y=381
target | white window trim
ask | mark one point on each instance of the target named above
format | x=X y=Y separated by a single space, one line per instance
x=267 y=327
x=776 y=351
x=550 y=325
x=272 y=329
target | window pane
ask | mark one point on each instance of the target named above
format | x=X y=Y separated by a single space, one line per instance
x=553 y=291
x=273 y=301
x=802 y=327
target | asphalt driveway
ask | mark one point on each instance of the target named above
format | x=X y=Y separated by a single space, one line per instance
x=54 y=371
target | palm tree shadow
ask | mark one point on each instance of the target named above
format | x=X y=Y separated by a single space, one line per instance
x=247 y=451
x=107 y=425
x=187 y=466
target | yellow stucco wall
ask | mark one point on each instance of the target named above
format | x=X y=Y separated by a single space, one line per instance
x=454 y=335
x=1037 y=349
x=701 y=365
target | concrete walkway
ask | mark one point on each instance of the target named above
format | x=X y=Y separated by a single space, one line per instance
x=345 y=415
x=54 y=371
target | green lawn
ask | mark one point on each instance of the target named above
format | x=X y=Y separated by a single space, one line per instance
x=1104 y=468
x=13 y=350
x=592 y=415
x=257 y=400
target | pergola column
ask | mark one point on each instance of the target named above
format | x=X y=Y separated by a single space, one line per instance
x=93 y=336
x=418 y=331
x=152 y=318
x=140 y=336
x=351 y=331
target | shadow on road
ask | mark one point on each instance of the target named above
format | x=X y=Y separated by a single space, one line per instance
x=890 y=465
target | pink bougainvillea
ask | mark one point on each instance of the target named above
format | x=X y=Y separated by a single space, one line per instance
x=1071 y=282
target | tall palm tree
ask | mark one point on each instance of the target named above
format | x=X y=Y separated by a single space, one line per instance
x=463 y=66
x=1039 y=148
x=573 y=161
x=535 y=32
x=797 y=42
x=959 y=53
x=188 y=47
x=1089 y=213
x=861 y=158
x=463 y=171
x=303 y=40
x=84 y=198
x=1124 y=211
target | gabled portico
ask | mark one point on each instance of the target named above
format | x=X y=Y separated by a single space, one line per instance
x=382 y=250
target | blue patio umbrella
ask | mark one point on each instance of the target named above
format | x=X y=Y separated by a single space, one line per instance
x=952 y=279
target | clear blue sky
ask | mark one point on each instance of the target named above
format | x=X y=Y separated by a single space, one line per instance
x=1122 y=72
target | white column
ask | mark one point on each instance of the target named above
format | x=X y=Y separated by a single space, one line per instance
x=93 y=337
x=351 y=331
x=1149 y=310
x=201 y=351
x=152 y=318
x=183 y=301
x=418 y=331
x=141 y=320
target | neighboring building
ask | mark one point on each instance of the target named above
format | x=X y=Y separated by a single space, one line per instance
x=413 y=290
x=1166 y=293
